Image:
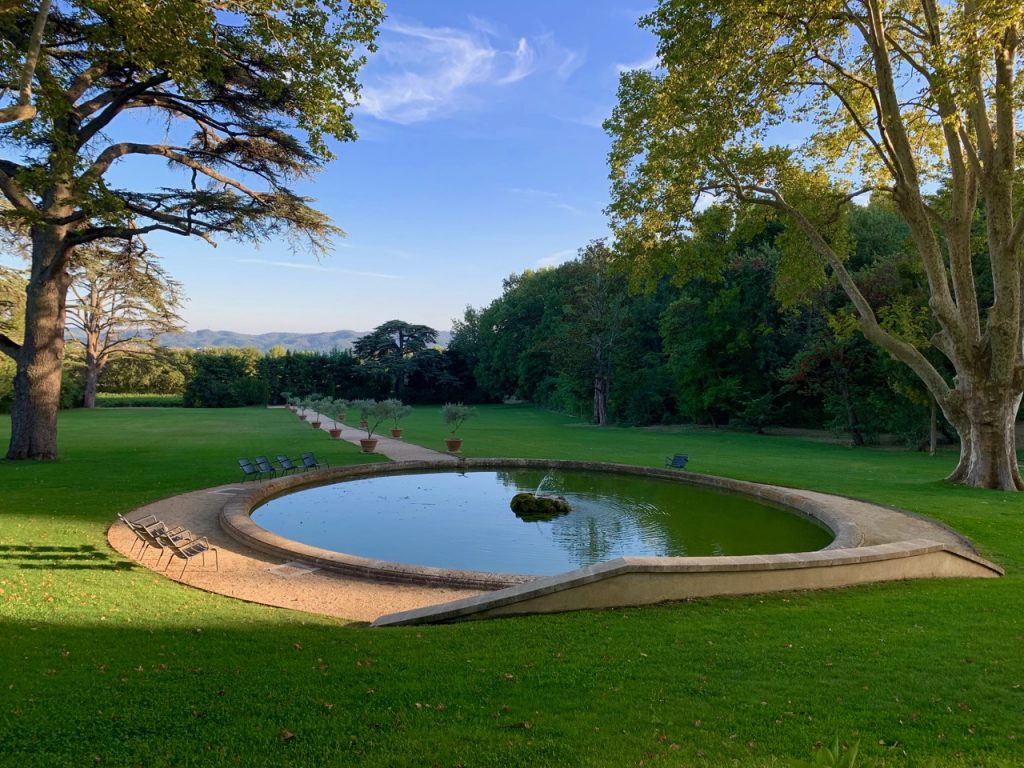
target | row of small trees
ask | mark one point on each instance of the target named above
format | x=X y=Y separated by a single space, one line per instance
x=372 y=413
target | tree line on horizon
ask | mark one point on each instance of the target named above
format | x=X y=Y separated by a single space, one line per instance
x=722 y=350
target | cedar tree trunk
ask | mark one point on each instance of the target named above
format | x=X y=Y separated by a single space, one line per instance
x=37 y=379
x=92 y=378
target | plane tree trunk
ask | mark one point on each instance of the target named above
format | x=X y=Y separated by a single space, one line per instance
x=987 y=428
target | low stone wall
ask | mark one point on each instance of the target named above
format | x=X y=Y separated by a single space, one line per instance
x=235 y=519
x=872 y=543
x=631 y=581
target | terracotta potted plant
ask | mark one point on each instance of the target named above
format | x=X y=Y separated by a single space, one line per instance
x=315 y=405
x=396 y=412
x=455 y=415
x=336 y=410
x=373 y=413
x=363 y=407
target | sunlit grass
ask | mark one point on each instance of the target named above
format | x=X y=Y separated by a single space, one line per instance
x=104 y=663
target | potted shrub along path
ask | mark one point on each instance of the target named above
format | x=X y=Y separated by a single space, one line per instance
x=455 y=415
x=396 y=412
x=315 y=405
x=336 y=409
x=372 y=413
x=363 y=406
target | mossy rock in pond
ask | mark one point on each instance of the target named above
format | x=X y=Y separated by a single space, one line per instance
x=531 y=508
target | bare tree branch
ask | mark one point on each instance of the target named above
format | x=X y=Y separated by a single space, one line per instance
x=115 y=104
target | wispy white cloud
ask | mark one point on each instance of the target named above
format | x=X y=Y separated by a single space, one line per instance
x=422 y=73
x=571 y=61
x=556 y=258
x=550 y=199
x=530 y=192
x=651 y=63
x=576 y=211
x=594 y=117
x=523 y=62
x=316 y=268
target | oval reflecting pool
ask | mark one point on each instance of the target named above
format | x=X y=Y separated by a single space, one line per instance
x=463 y=520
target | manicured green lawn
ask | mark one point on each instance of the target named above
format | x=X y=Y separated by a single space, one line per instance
x=104 y=663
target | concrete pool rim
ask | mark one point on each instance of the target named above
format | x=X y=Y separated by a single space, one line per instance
x=849 y=532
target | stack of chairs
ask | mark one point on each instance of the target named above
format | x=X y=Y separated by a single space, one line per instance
x=178 y=542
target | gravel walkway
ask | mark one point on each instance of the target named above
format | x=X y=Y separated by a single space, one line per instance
x=250 y=575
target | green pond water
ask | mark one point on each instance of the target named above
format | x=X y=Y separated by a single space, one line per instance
x=463 y=520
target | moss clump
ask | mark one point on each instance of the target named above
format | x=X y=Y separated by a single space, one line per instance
x=531 y=508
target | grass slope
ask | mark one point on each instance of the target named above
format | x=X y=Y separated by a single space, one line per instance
x=104 y=663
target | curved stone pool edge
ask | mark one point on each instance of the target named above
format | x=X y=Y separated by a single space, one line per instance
x=872 y=543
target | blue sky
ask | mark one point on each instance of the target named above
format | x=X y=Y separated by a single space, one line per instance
x=481 y=154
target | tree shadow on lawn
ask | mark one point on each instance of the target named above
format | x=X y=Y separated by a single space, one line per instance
x=82 y=557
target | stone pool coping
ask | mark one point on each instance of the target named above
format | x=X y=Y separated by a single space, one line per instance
x=855 y=524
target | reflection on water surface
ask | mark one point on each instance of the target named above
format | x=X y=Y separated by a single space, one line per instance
x=463 y=520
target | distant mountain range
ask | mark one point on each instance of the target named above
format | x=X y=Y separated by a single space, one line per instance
x=296 y=342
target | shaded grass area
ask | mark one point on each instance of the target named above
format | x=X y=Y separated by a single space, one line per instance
x=105 y=663
x=132 y=400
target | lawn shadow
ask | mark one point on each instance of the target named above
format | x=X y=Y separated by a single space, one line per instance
x=81 y=557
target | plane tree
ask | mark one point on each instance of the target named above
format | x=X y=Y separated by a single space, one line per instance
x=803 y=106
x=248 y=94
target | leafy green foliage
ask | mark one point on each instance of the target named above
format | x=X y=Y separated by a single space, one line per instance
x=394 y=338
x=898 y=98
x=225 y=378
x=12 y=311
x=719 y=346
x=164 y=371
x=455 y=415
x=373 y=412
x=396 y=411
x=138 y=400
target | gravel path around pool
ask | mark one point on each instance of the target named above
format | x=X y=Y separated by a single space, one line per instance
x=249 y=575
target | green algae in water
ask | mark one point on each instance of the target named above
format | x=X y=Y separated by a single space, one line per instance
x=463 y=520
